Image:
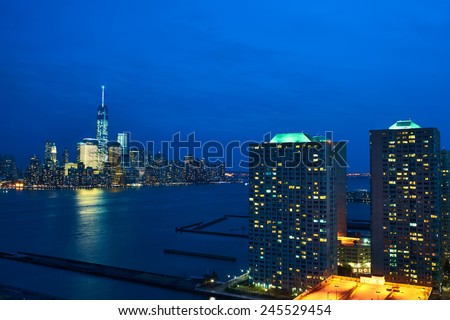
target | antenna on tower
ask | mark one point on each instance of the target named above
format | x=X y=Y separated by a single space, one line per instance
x=103 y=96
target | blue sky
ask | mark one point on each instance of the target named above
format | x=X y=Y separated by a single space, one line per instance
x=227 y=70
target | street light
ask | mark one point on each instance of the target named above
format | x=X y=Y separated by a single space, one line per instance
x=336 y=290
x=378 y=295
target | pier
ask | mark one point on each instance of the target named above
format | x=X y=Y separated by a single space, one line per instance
x=199 y=227
x=226 y=234
x=130 y=275
x=237 y=216
x=13 y=293
x=124 y=274
x=200 y=254
x=210 y=223
x=179 y=229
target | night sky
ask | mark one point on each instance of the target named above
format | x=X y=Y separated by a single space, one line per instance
x=228 y=70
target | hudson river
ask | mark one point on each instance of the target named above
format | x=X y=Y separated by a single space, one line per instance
x=127 y=228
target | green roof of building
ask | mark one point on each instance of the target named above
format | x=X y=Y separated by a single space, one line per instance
x=297 y=137
x=404 y=124
x=319 y=139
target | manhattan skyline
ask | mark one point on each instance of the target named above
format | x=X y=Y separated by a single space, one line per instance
x=224 y=71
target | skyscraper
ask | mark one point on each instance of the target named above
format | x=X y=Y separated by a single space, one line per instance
x=445 y=169
x=115 y=162
x=65 y=157
x=406 y=209
x=8 y=167
x=102 y=132
x=32 y=176
x=87 y=153
x=49 y=164
x=50 y=152
x=124 y=139
x=294 y=199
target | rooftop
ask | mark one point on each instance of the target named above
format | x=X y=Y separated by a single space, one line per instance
x=297 y=137
x=364 y=288
x=404 y=124
x=351 y=241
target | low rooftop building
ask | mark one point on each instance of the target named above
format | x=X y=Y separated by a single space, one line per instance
x=364 y=288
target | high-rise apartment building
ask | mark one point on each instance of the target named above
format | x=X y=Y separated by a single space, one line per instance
x=406 y=203
x=295 y=195
x=102 y=132
x=445 y=204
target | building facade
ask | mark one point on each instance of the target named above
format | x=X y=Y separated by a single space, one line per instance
x=294 y=199
x=355 y=252
x=445 y=204
x=115 y=162
x=50 y=152
x=87 y=153
x=65 y=157
x=406 y=203
x=33 y=172
x=8 y=167
x=124 y=139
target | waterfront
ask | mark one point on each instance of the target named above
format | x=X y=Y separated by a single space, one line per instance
x=128 y=228
x=358 y=210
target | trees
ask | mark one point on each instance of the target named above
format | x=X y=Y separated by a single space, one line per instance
x=447 y=267
x=345 y=270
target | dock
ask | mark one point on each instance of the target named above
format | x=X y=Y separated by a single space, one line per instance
x=124 y=274
x=200 y=254
x=179 y=229
x=199 y=227
x=237 y=216
x=130 y=275
x=210 y=223
x=226 y=234
x=14 y=293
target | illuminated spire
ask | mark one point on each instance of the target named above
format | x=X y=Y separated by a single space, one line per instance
x=103 y=96
x=102 y=131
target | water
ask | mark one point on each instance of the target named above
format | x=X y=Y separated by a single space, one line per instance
x=358 y=183
x=356 y=210
x=126 y=228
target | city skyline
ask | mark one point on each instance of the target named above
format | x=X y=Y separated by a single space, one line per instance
x=168 y=148
x=165 y=148
x=237 y=150
x=227 y=72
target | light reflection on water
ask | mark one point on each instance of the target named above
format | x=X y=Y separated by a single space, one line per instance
x=126 y=228
x=90 y=201
x=90 y=229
